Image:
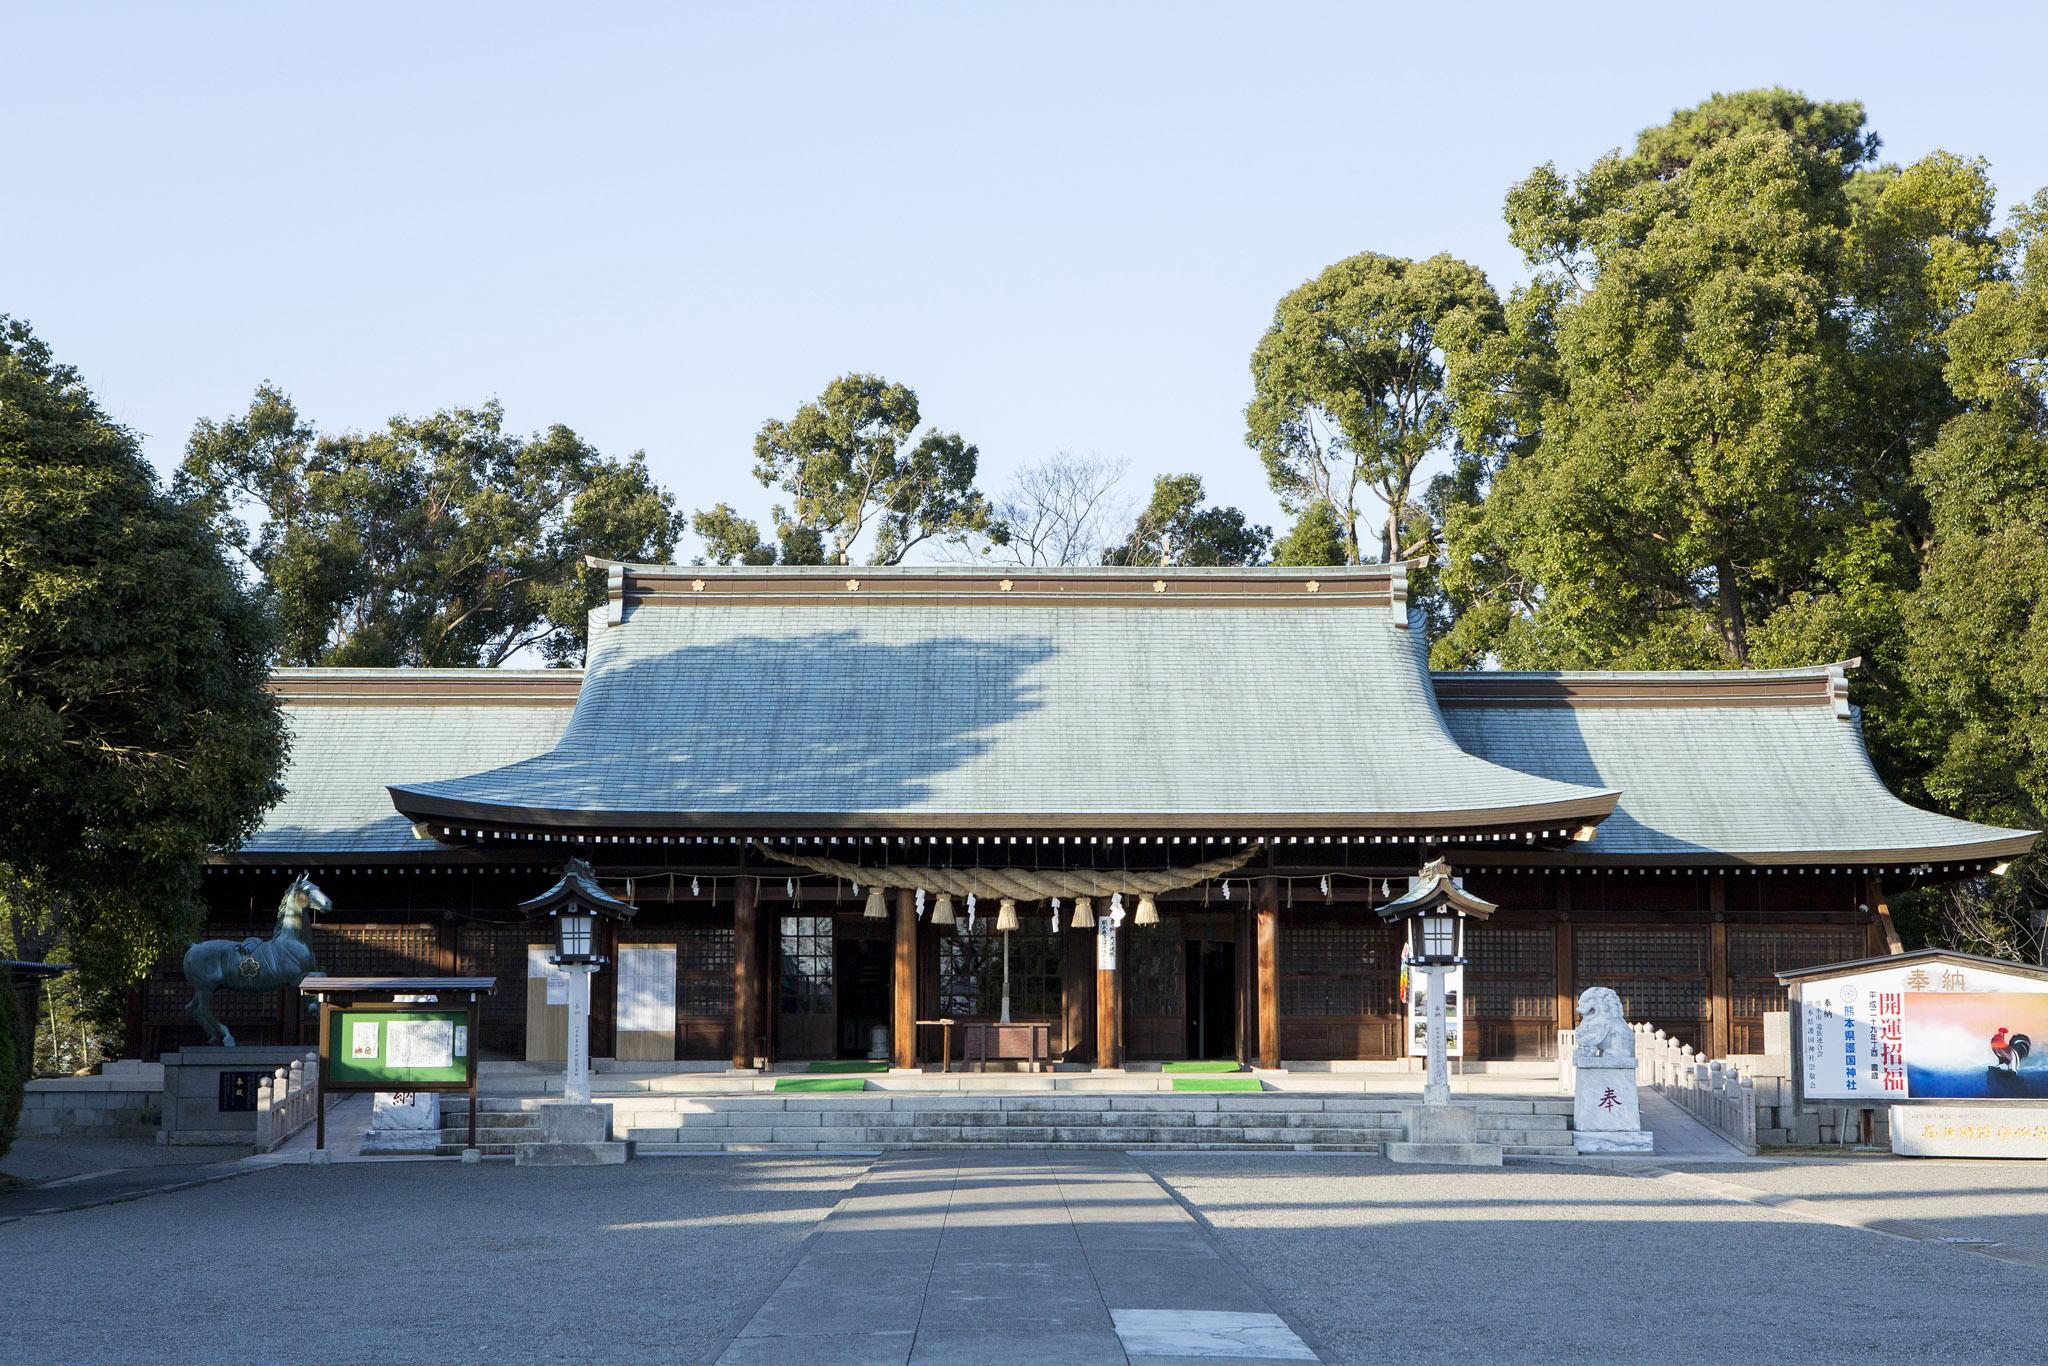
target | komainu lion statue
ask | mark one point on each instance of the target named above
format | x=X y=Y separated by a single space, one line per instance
x=1603 y=1033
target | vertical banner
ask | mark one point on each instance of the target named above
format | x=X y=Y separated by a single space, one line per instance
x=1105 y=942
x=1418 y=1013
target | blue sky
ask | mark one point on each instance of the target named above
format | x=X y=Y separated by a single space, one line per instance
x=1064 y=225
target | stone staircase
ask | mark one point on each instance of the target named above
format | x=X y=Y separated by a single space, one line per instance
x=869 y=1122
x=501 y=1125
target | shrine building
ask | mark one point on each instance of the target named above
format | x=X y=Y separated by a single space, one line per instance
x=798 y=776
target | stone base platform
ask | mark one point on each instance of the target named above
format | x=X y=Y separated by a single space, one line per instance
x=1446 y=1135
x=573 y=1136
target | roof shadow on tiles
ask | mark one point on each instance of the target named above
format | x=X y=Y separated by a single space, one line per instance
x=755 y=723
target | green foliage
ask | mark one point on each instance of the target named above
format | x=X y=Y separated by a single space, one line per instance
x=730 y=538
x=1175 y=529
x=1708 y=398
x=439 y=541
x=1358 y=380
x=132 y=684
x=848 y=464
x=16 y=1042
x=1976 y=627
x=1316 y=538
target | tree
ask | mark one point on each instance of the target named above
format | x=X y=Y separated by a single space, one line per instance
x=1357 y=383
x=850 y=467
x=133 y=665
x=1703 y=410
x=1175 y=529
x=1976 y=626
x=1317 y=538
x=16 y=1040
x=1059 y=511
x=438 y=541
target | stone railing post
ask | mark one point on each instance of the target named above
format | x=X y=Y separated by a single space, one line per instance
x=264 y=1101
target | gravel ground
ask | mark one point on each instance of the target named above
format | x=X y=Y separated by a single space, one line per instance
x=49 y=1159
x=660 y=1260
x=2005 y=1203
x=1545 y=1263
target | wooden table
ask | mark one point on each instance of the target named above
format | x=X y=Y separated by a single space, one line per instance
x=1030 y=1042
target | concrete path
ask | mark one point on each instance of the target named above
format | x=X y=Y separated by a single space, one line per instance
x=1680 y=1136
x=978 y=1257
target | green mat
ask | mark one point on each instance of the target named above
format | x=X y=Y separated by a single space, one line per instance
x=817 y=1067
x=820 y=1084
x=1217 y=1084
x=1225 y=1066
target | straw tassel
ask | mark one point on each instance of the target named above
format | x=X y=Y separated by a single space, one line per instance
x=1006 y=915
x=1084 y=913
x=1148 y=911
x=942 y=913
x=876 y=909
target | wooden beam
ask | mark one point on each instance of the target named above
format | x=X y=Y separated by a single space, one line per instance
x=1567 y=963
x=903 y=1026
x=1884 y=936
x=1077 y=994
x=748 y=1013
x=1109 y=998
x=1268 y=914
x=1720 y=1020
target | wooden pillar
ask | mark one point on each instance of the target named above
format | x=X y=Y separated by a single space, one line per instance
x=446 y=946
x=1267 y=910
x=604 y=994
x=1077 y=995
x=1109 y=994
x=1883 y=935
x=1567 y=960
x=1720 y=1021
x=748 y=1012
x=903 y=980
x=1247 y=953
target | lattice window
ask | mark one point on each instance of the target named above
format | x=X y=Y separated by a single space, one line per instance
x=806 y=965
x=1652 y=1000
x=971 y=970
x=377 y=950
x=1338 y=969
x=1513 y=998
x=1755 y=998
x=1763 y=951
x=1512 y=971
x=485 y=950
x=1511 y=952
x=1157 y=963
x=1645 y=952
x=706 y=963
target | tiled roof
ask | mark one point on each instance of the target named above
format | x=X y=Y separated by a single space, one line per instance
x=356 y=730
x=870 y=696
x=1764 y=766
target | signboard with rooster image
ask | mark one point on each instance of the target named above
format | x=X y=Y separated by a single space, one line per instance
x=1945 y=1027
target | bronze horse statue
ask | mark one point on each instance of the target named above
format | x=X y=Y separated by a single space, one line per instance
x=283 y=960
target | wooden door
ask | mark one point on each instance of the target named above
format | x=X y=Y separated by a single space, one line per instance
x=807 y=1022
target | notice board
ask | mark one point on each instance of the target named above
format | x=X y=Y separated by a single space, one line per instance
x=406 y=1048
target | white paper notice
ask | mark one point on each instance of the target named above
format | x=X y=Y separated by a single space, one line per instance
x=462 y=1041
x=537 y=965
x=419 y=1043
x=647 y=988
x=363 y=1039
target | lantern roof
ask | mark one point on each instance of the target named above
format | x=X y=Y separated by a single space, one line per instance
x=576 y=890
x=1434 y=888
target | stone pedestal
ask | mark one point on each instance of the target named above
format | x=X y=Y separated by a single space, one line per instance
x=404 y=1122
x=1447 y=1135
x=1607 y=1116
x=1970 y=1131
x=210 y=1093
x=573 y=1136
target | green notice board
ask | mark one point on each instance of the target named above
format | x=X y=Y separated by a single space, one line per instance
x=367 y=1044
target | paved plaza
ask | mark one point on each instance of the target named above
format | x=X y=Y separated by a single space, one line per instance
x=1042 y=1257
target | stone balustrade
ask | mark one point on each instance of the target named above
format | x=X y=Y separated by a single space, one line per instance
x=285 y=1102
x=1719 y=1093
